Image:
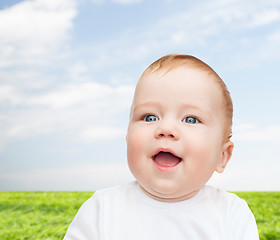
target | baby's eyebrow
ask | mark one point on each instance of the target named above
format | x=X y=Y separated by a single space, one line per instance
x=193 y=107
x=147 y=104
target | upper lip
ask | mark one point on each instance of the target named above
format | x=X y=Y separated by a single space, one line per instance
x=167 y=150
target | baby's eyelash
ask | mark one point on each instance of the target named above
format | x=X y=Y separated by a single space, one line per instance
x=144 y=116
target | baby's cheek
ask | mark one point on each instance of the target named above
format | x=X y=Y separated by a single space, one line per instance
x=136 y=137
x=134 y=145
x=198 y=154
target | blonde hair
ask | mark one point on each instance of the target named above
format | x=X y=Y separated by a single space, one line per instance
x=173 y=61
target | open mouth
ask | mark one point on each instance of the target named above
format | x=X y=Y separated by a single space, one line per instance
x=166 y=160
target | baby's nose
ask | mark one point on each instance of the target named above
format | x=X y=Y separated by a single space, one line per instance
x=166 y=132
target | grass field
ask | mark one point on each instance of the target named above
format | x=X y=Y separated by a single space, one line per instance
x=46 y=215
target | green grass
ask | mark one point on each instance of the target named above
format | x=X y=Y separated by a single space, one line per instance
x=47 y=215
x=38 y=215
x=266 y=208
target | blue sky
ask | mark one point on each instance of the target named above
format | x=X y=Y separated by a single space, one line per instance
x=68 y=70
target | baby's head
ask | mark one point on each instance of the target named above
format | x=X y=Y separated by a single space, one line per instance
x=180 y=127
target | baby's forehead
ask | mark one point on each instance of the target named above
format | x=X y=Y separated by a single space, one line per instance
x=182 y=72
x=178 y=81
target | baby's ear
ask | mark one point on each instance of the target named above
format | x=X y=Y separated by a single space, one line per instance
x=225 y=156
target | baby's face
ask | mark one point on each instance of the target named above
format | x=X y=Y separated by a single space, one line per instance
x=175 y=135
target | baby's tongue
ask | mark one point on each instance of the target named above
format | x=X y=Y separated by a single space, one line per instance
x=166 y=159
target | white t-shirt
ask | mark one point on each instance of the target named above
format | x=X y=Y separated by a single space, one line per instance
x=127 y=213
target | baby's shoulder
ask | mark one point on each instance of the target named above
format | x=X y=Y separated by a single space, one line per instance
x=222 y=198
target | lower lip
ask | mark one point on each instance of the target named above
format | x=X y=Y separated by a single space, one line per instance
x=165 y=168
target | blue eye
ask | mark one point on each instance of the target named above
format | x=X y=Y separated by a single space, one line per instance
x=150 y=118
x=190 y=120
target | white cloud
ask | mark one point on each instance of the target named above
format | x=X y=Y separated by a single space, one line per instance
x=78 y=178
x=30 y=30
x=9 y=94
x=274 y=37
x=66 y=96
x=79 y=108
x=126 y=1
x=264 y=17
x=255 y=133
x=248 y=179
x=78 y=71
x=123 y=2
x=244 y=127
x=217 y=24
x=72 y=95
x=101 y=132
x=98 y=1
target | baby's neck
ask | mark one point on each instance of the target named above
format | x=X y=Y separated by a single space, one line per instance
x=167 y=199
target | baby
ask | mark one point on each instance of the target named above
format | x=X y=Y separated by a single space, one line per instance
x=178 y=135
